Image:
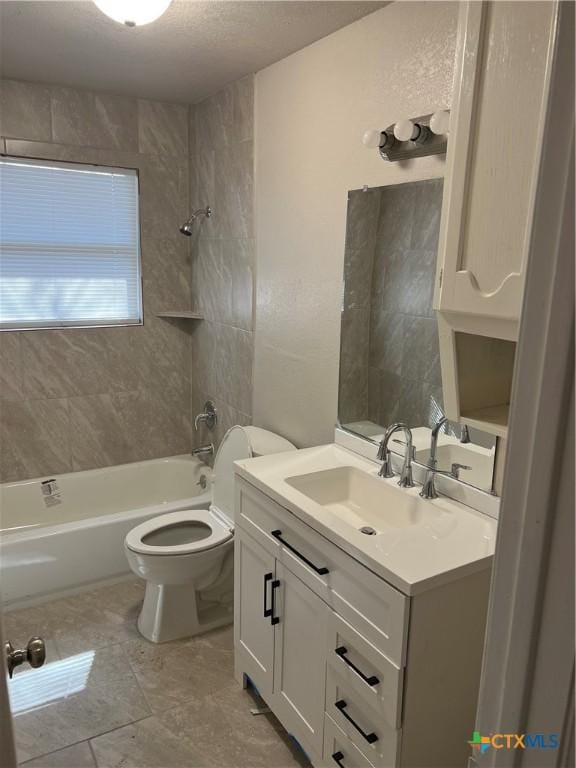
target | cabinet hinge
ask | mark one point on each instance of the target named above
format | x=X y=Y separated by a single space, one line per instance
x=440 y=278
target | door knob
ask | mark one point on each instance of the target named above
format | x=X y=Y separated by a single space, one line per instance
x=34 y=654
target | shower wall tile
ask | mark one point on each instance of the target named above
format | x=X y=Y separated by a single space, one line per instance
x=94 y=119
x=224 y=356
x=100 y=396
x=354 y=355
x=35 y=438
x=165 y=273
x=234 y=190
x=164 y=195
x=223 y=254
x=11 y=368
x=62 y=363
x=162 y=128
x=222 y=281
x=25 y=110
x=405 y=378
x=131 y=426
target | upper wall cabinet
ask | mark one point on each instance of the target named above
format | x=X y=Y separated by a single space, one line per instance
x=503 y=58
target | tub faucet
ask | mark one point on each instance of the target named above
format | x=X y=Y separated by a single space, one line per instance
x=202 y=449
x=385 y=456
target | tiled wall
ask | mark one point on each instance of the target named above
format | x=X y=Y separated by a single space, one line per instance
x=389 y=331
x=76 y=399
x=223 y=255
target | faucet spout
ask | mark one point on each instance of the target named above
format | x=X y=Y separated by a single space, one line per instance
x=384 y=455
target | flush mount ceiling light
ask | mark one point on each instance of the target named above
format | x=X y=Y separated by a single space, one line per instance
x=133 y=13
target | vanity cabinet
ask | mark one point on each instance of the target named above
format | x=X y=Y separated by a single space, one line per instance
x=358 y=672
x=502 y=70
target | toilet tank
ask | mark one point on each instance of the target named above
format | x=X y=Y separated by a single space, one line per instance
x=240 y=443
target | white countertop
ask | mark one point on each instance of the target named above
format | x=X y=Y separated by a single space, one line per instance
x=453 y=542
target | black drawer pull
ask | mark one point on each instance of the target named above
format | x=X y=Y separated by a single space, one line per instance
x=342 y=651
x=267 y=611
x=338 y=757
x=274 y=619
x=370 y=737
x=320 y=571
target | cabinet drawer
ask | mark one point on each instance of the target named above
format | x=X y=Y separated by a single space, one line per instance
x=377 y=610
x=363 y=724
x=339 y=750
x=369 y=674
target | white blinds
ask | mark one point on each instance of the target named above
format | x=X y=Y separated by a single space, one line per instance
x=69 y=245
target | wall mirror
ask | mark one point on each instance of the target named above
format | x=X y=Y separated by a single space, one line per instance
x=389 y=353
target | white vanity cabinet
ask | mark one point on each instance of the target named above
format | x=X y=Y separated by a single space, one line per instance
x=501 y=82
x=359 y=673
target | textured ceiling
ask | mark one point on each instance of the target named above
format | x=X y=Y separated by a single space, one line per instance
x=189 y=53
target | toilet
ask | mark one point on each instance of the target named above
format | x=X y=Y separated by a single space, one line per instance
x=186 y=557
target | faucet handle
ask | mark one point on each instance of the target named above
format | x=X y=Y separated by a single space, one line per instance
x=381 y=451
x=208 y=417
x=456 y=467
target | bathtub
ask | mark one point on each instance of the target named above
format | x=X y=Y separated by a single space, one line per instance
x=63 y=532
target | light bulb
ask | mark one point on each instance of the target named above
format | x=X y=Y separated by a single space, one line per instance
x=372 y=138
x=440 y=123
x=406 y=130
x=133 y=13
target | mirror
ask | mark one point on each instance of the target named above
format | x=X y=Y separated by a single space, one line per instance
x=389 y=353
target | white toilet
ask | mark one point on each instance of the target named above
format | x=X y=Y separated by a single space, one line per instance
x=186 y=557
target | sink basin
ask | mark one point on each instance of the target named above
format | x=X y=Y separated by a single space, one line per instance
x=363 y=500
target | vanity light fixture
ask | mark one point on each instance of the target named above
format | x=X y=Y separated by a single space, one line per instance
x=440 y=123
x=133 y=13
x=407 y=130
x=380 y=139
x=411 y=137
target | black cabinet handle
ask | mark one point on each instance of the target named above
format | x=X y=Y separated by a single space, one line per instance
x=267 y=611
x=274 y=619
x=320 y=571
x=370 y=737
x=338 y=757
x=370 y=680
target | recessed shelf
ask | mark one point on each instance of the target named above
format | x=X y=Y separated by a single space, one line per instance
x=493 y=419
x=184 y=314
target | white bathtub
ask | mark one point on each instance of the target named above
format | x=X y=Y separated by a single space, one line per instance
x=59 y=536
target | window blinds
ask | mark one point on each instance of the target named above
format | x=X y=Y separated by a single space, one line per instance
x=69 y=245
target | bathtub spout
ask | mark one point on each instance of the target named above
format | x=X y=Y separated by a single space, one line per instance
x=203 y=449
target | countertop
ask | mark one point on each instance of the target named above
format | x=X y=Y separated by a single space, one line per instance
x=455 y=540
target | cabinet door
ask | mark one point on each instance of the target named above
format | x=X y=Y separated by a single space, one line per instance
x=253 y=627
x=502 y=69
x=300 y=660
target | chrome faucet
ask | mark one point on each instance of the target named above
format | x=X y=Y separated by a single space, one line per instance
x=385 y=456
x=208 y=417
x=202 y=449
x=429 y=488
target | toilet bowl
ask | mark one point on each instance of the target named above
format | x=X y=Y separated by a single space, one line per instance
x=186 y=557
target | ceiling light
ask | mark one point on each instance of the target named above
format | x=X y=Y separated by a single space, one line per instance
x=133 y=13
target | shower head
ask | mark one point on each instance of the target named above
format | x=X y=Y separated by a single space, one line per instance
x=186 y=228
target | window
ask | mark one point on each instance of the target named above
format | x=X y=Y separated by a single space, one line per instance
x=69 y=245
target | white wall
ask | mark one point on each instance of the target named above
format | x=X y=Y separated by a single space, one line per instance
x=311 y=111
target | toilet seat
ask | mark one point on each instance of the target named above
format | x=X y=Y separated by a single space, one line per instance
x=219 y=533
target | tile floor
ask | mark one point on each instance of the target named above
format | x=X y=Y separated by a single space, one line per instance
x=107 y=698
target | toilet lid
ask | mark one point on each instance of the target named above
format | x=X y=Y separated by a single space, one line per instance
x=178 y=533
x=234 y=446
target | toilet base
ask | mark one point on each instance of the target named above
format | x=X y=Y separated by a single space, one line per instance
x=170 y=612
